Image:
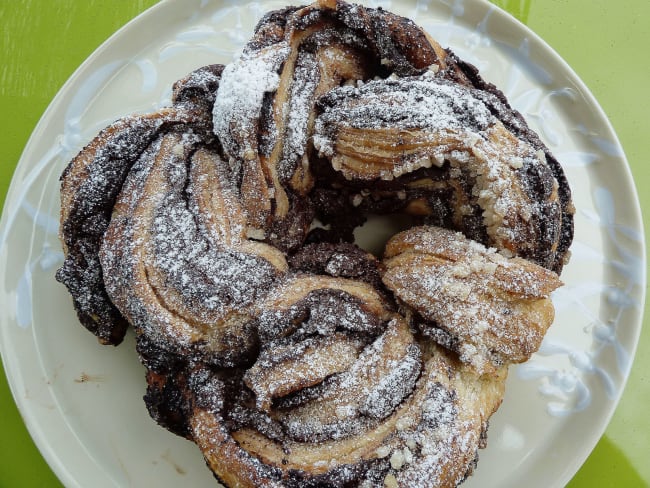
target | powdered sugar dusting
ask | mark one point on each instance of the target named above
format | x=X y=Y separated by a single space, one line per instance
x=205 y=286
x=421 y=120
x=497 y=310
x=423 y=102
x=241 y=92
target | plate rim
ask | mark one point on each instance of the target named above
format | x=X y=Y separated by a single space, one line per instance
x=30 y=419
x=45 y=448
x=596 y=434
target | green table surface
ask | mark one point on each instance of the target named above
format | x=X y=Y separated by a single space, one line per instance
x=44 y=41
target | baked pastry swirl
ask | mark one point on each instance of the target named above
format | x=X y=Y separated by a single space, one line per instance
x=289 y=355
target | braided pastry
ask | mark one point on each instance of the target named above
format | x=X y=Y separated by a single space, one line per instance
x=289 y=355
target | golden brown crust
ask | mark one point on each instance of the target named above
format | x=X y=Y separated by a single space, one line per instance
x=494 y=310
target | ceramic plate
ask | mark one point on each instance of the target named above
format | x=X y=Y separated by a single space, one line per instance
x=82 y=402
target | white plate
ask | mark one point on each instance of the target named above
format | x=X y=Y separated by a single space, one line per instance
x=82 y=402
